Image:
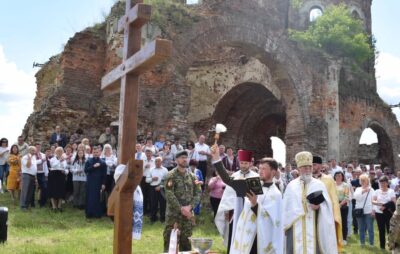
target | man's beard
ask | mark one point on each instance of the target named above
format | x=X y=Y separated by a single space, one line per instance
x=182 y=165
x=244 y=170
x=306 y=178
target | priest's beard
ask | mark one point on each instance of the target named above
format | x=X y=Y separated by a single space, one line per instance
x=306 y=178
x=244 y=170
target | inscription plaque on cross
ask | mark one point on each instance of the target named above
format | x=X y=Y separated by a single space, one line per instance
x=126 y=78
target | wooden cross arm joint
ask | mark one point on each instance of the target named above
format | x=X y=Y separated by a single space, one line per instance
x=126 y=184
x=137 y=16
x=143 y=60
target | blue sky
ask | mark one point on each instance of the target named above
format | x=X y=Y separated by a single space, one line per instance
x=36 y=30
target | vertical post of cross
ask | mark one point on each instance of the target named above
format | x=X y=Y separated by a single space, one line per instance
x=135 y=61
x=129 y=88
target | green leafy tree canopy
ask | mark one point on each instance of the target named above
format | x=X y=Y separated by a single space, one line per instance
x=337 y=33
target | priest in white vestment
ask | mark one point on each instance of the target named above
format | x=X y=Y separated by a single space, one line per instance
x=230 y=206
x=308 y=219
x=260 y=228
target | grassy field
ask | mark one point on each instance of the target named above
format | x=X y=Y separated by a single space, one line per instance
x=40 y=231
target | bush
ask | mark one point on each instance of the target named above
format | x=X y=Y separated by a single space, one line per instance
x=167 y=13
x=337 y=33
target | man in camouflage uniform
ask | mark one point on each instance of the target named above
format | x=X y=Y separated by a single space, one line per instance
x=394 y=235
x=182 y=195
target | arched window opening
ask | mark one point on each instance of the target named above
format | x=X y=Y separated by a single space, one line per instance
x=355 y=14
x=368 y=137
x=315 y=13
x=278 y=150
x=190 y=2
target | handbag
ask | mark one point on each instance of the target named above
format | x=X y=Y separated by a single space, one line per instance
x=359 y=212
x=390 y=208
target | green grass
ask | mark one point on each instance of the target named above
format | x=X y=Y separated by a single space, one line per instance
x=40 y=231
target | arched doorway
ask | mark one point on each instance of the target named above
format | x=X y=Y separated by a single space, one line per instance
x=252 y=115
x=375 y=146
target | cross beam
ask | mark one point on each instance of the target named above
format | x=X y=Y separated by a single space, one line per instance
x=137 y=16
x=150 y=55
x=135 y=62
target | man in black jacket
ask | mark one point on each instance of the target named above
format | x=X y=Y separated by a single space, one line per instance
x=58 y=138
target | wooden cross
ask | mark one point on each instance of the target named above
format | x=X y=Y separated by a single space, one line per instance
x=135 y=61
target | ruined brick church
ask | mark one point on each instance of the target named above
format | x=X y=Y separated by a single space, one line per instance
x=232 y=63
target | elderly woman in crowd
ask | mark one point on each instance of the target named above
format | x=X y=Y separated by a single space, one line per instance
x=149 y=146
x=167 y=156
x=85 y=142
x=88 y=152
x=14 y=178
x=111 y=161
x=56 y=179
x=364 y=209
x=343 y=193
x=79 y=179
x=384 y=200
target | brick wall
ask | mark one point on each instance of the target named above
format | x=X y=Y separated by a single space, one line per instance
x=227 y=44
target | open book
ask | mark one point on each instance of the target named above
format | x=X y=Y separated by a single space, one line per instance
x=243 y=186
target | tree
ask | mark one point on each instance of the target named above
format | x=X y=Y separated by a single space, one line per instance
x=337 y=33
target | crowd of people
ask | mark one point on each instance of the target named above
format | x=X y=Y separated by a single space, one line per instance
x=71 y=169
x=67 y=170
x=353 y=197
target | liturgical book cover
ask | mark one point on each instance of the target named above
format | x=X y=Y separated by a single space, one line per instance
x=243 y=186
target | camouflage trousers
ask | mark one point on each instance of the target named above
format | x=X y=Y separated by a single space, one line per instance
x=185 y=227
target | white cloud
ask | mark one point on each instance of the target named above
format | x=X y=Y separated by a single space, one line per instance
x=388 y=68
x=388 y=77
x=17 y=91
x=388 y=86
x=390 y=93
x=396 y=111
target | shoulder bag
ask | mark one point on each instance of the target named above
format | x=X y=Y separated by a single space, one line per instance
x=359 y=212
